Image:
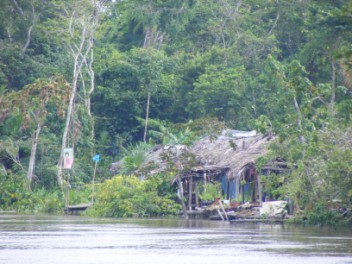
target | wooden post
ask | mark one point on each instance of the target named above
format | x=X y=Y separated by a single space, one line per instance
x=228 y=189
x=242 y=193
x=93 y=182
x=180 y=187
x=31 y=166
x=223 y=210
x=260 y=190
x=68 y=189
x=196 y=193
x=190 y=193
x=220 y=214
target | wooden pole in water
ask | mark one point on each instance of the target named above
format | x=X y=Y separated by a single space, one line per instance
x=260 y=189
x=67 y=188
x=190 y=193
x=223 y=210
x=196 y=194
x=220 y=214
x=93 y=181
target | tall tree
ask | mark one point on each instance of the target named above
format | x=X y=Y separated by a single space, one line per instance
x=154 y=20
x=82 y=19
x=34 y=102
x=329 y=30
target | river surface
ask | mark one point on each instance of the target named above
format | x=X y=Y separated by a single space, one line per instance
x=75 y=239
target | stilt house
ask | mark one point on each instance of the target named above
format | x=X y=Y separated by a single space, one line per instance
x=228 y=159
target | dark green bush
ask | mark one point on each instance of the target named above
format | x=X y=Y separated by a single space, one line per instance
x=322 y=215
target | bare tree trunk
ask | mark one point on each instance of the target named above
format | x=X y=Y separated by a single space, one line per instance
x=146 y=44
x=146 y=118
x=180 y=168
x=80 y=54
x=20 y=10
x=9 y=35
x=87 y=94
x=299 y=120
x=93 y=182
x=151 y=39
x=260 y=193
x=29 y=33
x=25 y=18
x=180 y=187
x=333 y=88
x=147 y=37
x=76 y=73
x=92 y=81
x=275 y=23
x=31 y=166
x=190 y=190
x=92 y=87
x=77 y=68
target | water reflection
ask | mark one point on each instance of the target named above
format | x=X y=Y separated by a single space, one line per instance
x=72 y=239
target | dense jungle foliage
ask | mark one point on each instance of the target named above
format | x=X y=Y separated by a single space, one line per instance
x=105 y=76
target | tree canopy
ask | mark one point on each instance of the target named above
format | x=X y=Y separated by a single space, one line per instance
x=278 y=66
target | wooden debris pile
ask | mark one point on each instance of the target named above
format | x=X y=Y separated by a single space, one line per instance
x=247 y=212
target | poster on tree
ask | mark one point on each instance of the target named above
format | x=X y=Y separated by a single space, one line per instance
x=68 y=158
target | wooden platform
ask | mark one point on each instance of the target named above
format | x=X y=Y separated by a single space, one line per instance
x=264 y=221
x=75 y=209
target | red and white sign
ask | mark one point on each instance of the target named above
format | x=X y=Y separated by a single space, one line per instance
x=68 y=158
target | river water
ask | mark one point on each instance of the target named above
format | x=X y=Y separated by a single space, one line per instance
x=75 y=239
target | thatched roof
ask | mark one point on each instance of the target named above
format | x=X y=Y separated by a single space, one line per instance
x=232 y=151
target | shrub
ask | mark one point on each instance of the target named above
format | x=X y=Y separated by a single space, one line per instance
x=321 y=215
x=126 y=196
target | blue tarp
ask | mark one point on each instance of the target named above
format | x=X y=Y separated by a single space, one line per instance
x=229 y=186
x=232 y=190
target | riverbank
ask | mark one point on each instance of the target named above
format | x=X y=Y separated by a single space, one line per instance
x=233 y=212
x=272 y=212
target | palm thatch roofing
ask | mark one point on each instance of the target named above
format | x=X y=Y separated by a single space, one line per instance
x=229 y=154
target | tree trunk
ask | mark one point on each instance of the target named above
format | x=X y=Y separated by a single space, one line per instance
x=68 y=122
x=92 y=78
x=299 y=121
x=93 y=182
x=180 y=187
x=260 y=194
x=31 y=166
x=150 y=39
x=146 y=119
x=91 y=74
x=333 y=88
x=25 y=18
x=190 y=190
x=146 y=44
x=80 y=54
x=29 y=33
